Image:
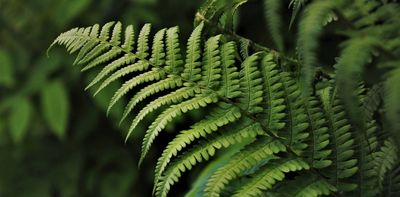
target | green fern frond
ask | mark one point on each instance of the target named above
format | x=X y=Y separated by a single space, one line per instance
x=149 y=90
x=392 y=106
x=175 y=110
x=310 y=28
x=251 y=85
x=296 y=6
x=254 y=153
x=230 y=76
x=255 y=102
x=191 y=70
x=297 y=124
x=355 y=56
x=203 y=151
x=306 y=185
x=272 y=10
x=219 y=117
x=341 y=142
x=274 y=96
x=269 y=175
x=174 y=97
x=318 y=150
x=384 y=160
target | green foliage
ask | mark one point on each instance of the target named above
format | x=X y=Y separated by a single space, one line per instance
x=304 y=135
x=21 y=112
x=55 y=107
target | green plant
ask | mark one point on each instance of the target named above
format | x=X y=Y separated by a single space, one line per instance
x=288 y=131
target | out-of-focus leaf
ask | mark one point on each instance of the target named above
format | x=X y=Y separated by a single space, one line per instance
x=55 y=107
x=21 y=112
x=6 y=70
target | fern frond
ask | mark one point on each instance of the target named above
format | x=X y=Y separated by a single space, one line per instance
x=138 y=66
x=354 y=57
x=270 y=174
x=341 y=142
x=306 y=185
x=254 y=153
x=142 y=43
x=220 y=116
x=174 y=60
x=251 y=85
x=152 y=75
x=392 y=106
x=211 y=63
x=173 y=97
x=203 y=152
x=310 y=28
x=296 y=6
x=385 y=159
x=126 y=59
x=149 y=90
x=230 y=76
x=318 y=150
x=175 y=110
x=191 y=71
x=272 y=10
x=297 y=124
x=274 y=94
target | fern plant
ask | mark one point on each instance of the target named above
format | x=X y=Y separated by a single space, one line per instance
x=289 y=141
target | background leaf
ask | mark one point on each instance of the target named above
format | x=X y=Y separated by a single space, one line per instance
x=55 y=107
x=21 y=113
x=6 y=69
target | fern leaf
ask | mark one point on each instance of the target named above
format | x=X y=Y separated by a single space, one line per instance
x=175 y=110
x=142 y=44
x=202 y=152
x=158 y=55
x=271 y=173
x=152 y=75
x=192 y=72
x=116 y=34
x=319 y=137
x=367 y=144
x=129 y=38
x=211 y=63
x=273 y=94
x=174 y=60
x=341 y=142
x=306 y=185
x=297 y=124
x=354 y=57
x=230 y=76
x=138 y=66
x=149 y=90
x=173 y=97
x=392 y=106
x=310 y=29
x=89 y=44
x=245 y=159
x=385 y=159
x=296 y=6
x=126 y=59
x=272 y=10
x=112 y=53
x=251 y=85
x=101 y=47
x=220 y=116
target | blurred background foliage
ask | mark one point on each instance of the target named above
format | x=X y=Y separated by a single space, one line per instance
x=55 y=139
